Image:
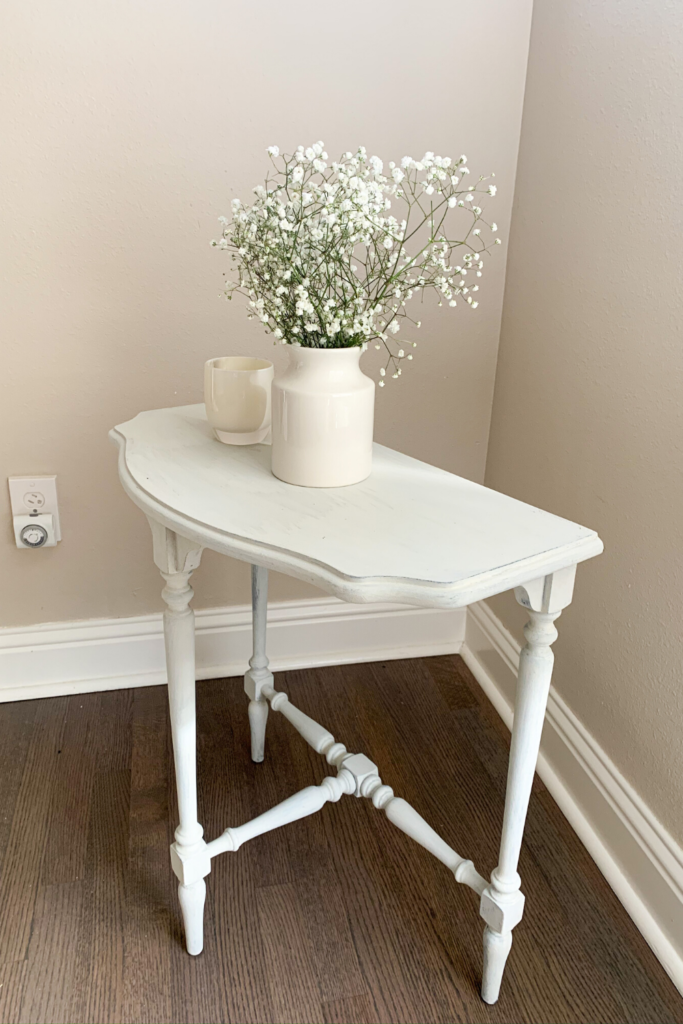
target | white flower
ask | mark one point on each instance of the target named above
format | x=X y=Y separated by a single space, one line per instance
x=494 y=227
x=492 y=189
x=295 y=248
x=381 y=383
x=382 y=372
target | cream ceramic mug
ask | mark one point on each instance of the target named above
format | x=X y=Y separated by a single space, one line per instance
x=237 y=398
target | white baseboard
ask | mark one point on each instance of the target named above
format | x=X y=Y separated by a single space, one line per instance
x=638 y=857
x=52 y=659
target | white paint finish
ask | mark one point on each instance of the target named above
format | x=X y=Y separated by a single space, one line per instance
x=300 y=805
x=641 y=860
x=236 y=506
x=177 y=560
x=106 y=654
x=587 y=416
x=317 y=737
x=119 y=149
x=192 y=898
x=323 y=418
x=419 y=534
x=502 y=903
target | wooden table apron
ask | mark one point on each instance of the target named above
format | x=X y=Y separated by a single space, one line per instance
x=410 y=533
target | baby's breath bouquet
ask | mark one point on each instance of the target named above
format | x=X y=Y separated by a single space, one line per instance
x=330 y=255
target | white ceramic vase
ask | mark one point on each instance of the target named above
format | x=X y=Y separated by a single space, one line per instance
x=323 y=414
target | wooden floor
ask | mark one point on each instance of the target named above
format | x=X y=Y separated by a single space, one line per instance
x=337 y=918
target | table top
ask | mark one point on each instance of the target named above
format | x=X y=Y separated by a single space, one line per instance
x=410 y=532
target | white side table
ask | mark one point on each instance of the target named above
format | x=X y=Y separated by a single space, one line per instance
x=410 y=533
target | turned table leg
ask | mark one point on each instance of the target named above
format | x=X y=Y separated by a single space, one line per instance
x=502 y=903
x=177 y=558
x=258 y=674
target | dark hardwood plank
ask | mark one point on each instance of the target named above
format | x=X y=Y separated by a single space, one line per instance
x=453 y=681
x=23 y=858
x=326 y=919
x=52 y=954
x=67 y=839
x=12 y=977
x=115 y=741
x=294 y=993
x=350 y=1010
x=147 y=917
x=16 y=728
x=99 y=994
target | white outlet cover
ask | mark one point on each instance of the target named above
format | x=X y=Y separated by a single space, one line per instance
x=22 y=490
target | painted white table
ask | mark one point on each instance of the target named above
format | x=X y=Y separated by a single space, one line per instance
x=409 y=533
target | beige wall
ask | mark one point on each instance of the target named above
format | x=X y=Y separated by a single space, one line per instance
x=587 y=417
x=127 y=128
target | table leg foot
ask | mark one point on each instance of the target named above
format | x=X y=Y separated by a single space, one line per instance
x=496 y=949
x=258 y=718
x=192 y=899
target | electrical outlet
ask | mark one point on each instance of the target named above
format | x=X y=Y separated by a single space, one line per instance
x=31 y=494
x=35 y=531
